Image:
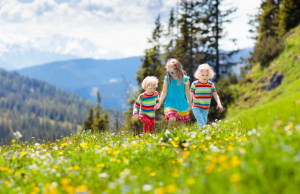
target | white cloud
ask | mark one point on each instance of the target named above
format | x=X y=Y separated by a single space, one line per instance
x=95 y=28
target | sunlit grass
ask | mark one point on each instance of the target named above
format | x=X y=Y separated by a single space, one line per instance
x=222 y=158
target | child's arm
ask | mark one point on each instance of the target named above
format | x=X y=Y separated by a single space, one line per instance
x=219 y=106
x=192 y=91
x=136 y=108
x=187 y=93
x=162 y=96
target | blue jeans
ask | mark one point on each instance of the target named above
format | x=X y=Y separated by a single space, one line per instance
x=201 y=116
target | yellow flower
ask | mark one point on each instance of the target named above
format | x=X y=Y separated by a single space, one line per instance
x=6 y=182
x=153 y=174
x=36 y=189
x=210 y=168
x=194 y=146
x=235 y=178
x=75 y=167
x=230 y=148
x=81 y=188
x=65 y=181
x=174 y=144
x=23 y=153
x=175 y=174
x=222 y=158
x=191 y=181
x=176 y=138
x=64 y=144
x=213 y=132
x=214 y=159
x=115 y=152
x=235 y=161
x=69 y=189
x=244 y=139
x=171 y=188
x=55 y=166
x=159 y=190
x=16 y=174
x=84 y=145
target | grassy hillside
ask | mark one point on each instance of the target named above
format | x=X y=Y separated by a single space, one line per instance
x=280 y=105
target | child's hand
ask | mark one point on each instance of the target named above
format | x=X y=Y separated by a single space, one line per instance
x=135 y=117
x=191 y=107
x=157 y=106
x=220 y=107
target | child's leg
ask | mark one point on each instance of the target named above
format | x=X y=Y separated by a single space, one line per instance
x=152 y=125
x=172 y=122
x=147 y=123
x=199 y=116
x=204 y=114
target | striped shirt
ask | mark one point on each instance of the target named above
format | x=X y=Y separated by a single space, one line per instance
x=202 y=93
x=145 y=104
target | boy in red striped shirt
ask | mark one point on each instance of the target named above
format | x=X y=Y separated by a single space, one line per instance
x=145 y=104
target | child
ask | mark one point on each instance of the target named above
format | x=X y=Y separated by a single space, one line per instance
x=145 y=103
x=176 y=92
x=201 y=91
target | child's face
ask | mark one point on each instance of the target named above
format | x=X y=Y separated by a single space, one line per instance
x=172 y=69
x=150 y=89
x=204 y=75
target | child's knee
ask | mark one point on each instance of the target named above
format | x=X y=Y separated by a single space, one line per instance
x=172 y=119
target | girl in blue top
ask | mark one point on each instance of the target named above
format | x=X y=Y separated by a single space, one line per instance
x=176 y=92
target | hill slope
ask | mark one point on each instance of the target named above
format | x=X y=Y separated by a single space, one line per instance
x=277 y=106
x=37 y=109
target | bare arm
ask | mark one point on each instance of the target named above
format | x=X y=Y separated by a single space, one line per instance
x=162 y=96
x=187 y=94
x=219 y=106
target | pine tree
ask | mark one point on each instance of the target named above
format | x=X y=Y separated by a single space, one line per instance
x=101 y=121
x=213 y=19
x=87 y=123
x=289 y=16
x=268 y=45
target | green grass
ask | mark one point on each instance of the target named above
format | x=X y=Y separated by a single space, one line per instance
x=224 y=158
x=279 y=104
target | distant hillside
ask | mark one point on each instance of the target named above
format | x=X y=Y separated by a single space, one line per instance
x=260 y=103
x=38 y=109
x=84 y=76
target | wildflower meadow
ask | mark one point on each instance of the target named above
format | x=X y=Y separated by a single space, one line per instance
x=224 y=157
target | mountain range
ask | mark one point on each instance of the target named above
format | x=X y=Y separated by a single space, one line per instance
x=115 y=79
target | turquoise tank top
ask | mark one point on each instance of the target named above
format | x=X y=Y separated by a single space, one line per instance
x=176 y=98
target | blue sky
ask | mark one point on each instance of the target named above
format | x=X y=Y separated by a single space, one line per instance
x=100 y=29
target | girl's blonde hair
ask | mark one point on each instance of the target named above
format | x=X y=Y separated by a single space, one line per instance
x=207 y=67
x=150 y=80
x=177 y=66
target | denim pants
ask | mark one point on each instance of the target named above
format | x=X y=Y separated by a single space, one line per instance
x=201 y=116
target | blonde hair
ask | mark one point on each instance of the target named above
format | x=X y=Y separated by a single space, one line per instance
x=150 y=80
x=207 y=67
x=177 y=66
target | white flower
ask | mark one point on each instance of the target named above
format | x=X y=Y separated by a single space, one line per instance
x=103 y=175
x=239 y=122
x=147 y=188
x=170 y=139
x=289 y=132
x=233 y=123
x=253 y=130
x=37 y=144
x=53 y=185
x=167 y=132
x=111 y=185
x=194 y=134
x=249 y=133
x=286 y=128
